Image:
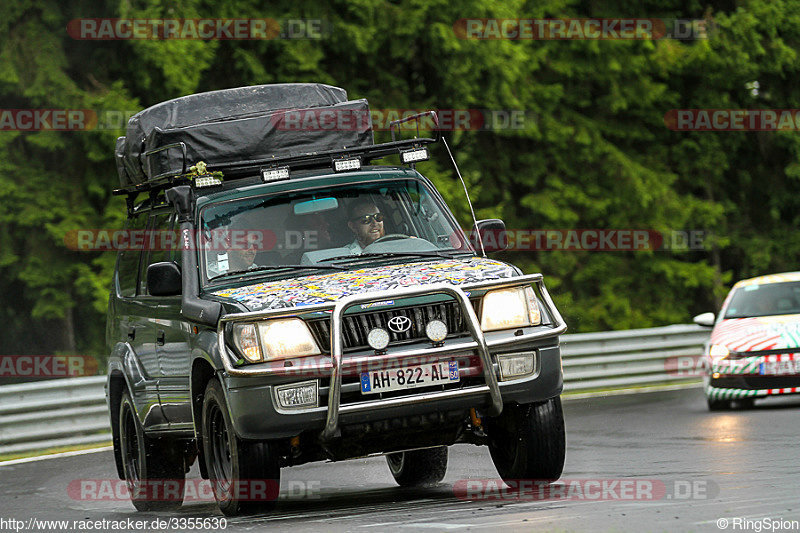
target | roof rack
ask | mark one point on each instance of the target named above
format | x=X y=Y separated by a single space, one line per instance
x=244 y=168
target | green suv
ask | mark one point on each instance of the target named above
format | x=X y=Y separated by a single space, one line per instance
x=316 y=307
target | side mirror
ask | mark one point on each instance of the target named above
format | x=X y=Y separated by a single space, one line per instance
x=164 y=279
x=493 y=234
x=705 y=320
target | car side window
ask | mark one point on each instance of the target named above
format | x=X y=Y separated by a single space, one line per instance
x=157 y=244
x=128 y=260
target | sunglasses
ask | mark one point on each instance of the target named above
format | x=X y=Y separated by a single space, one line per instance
x=364 y=220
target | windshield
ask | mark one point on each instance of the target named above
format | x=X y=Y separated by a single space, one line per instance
x=325 y=228
x=765 y=300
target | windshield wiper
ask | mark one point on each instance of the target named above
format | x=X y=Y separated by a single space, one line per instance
x=444 y=254
x=275 y=268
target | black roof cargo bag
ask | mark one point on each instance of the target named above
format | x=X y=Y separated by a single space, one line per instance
x=241 y=124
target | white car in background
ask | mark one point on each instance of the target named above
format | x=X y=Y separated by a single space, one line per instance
x=754 y=350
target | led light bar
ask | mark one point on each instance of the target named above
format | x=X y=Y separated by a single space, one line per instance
x=342 y=165
x=207 y=181
x=274 y=174
x=412 y=156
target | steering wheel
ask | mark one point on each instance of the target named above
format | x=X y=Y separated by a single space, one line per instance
x=390 y=237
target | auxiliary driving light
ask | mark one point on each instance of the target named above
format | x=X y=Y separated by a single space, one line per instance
x=415 y=155
x=207 y=181
x=341 y=165
x=274 y=174
x=378 y=339
x=436 y=330
x=515 y=364
x=297 y=395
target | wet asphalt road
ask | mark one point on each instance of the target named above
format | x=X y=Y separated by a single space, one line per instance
x=684 y=468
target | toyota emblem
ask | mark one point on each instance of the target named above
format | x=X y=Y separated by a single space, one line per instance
x=399 y=324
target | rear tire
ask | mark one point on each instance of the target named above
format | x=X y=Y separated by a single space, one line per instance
x=245 y=475
x=154 y=469
x=528 y=441
x=418 y=468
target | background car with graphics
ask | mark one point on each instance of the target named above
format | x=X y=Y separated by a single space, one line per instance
x=754 y=350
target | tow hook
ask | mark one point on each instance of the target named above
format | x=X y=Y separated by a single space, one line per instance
x=477 y=426
x=295 y=446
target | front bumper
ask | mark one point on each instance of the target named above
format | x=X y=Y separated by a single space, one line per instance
x=251 y=392
x=255 y=416
x=753 y=377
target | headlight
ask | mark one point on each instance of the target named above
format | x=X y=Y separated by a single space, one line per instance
x=274 y=339
x=510 y=308
x=718 y=352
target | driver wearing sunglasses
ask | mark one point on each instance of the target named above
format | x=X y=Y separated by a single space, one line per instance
x=366 y=223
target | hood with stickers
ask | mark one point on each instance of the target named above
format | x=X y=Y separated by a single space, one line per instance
x=758 y=333
x=309 y=290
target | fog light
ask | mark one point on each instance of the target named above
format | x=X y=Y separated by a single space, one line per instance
x=378 y=338
x=515 y=364
x=436 y=330
x=297 y=395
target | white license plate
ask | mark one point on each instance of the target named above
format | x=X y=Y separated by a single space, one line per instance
x=779 y=368
x=409 y=377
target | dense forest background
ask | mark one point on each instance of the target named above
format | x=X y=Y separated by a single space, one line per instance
x=594 y=151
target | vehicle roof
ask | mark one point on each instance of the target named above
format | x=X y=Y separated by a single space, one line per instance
x=769 y=278
x=302 y=180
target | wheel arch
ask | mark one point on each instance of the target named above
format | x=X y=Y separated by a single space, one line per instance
x=202 y=373
x=116 y=387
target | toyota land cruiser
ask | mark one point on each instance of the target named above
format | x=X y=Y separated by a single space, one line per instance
x=317 y=307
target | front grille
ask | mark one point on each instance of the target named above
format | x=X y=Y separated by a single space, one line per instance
x=355 y=327
x=756 y=382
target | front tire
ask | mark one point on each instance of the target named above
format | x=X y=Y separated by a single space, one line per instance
x=718 y=405
x=245 y=475
x=154 y=469
x=418 y=468
x=528 y=441
x=744 y=404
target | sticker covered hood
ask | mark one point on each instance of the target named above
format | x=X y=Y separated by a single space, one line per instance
x=758 y=333
x=328 y=287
